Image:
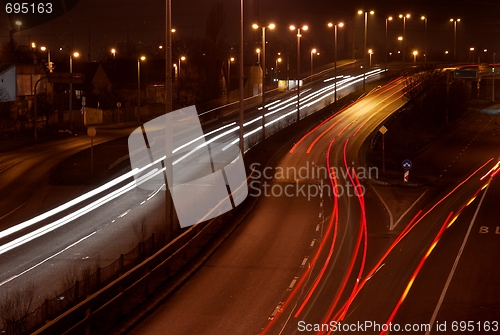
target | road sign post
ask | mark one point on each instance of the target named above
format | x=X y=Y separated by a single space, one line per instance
x=407 y=164
x=383 y=130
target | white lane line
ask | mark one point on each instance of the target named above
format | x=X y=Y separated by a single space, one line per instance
x=276 y=310
x=391 y=218
x=292 y=284
x=304 y=261
x=452 y=272
x=45 y=260
x=312 y=243
x=409 y=208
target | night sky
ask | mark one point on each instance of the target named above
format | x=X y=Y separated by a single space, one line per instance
x=105 y=22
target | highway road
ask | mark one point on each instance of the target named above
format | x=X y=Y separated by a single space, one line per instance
x=42 y=249
x=307 y=264
x=250 y=281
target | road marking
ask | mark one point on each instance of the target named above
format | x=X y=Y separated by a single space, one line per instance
x=312 y=243
x=391 y=218
x=292 y=284
x=304 y=261
x=54 y=255
x=317 y=227
x=276 y=310
x=455 y=264
x=409 y=208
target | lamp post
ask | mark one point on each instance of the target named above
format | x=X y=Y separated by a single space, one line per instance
x=71 y=55
x=229 y=74
x=404 y=17
x=292 y=27
x=400 y=39
x=270 y=26
x=182 y=58
x=471 y=54
x=139 y=87
x=365 y=50
x=415 y=53
x=387 y=19
x=424 y=18
x=370 y=52
x=258 y=55
x=278 y=60
x=454 y=37
x=313 y=51
x=49 y=63
x=113 y=52
x=341 y=24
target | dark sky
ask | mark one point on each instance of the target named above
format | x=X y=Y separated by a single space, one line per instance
x=107 y=21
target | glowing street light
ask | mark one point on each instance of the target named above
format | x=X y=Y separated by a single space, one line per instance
x=142 y=58
x=415 y=53
x=229 y=61
x=387 y=19
x=313 y=51
x=454 y=37
x=270 y=26
x=370 y=52
x=113 y=52
x=293 y=28
x=340 y=24
x=404 y=17
x=424 y=18
x=360 y=12
x=71 y=55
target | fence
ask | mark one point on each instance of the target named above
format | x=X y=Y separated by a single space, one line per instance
x=51 y=308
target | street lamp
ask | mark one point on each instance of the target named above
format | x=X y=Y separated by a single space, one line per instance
x=387 y=19
x=278 y=60
x=370 y=52
x=71 y=55
x=424 y=18
x=341 y=24
x=313 y=51
x=258 y=55
x=182 y=58
x=139 y=87
x=49 y=63
x=292 y=27
x=270 y=26
x=400 y=39
x=229 y=74
x=415 y=53
x=113 y=52
x=454 y=37
x=404 y=17
x=471 y=53
x=360 y=12
x=18 y=24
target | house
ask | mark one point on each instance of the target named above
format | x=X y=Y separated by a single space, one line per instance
x=7 y=82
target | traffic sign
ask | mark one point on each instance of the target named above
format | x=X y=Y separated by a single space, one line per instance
x=407 y=164
x=383 y=130
x=466 y=73
x=406 y=175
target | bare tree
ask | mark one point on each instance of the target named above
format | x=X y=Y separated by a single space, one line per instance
x=16 y=307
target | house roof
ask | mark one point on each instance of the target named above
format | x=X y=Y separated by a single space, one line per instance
x=5 y=67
